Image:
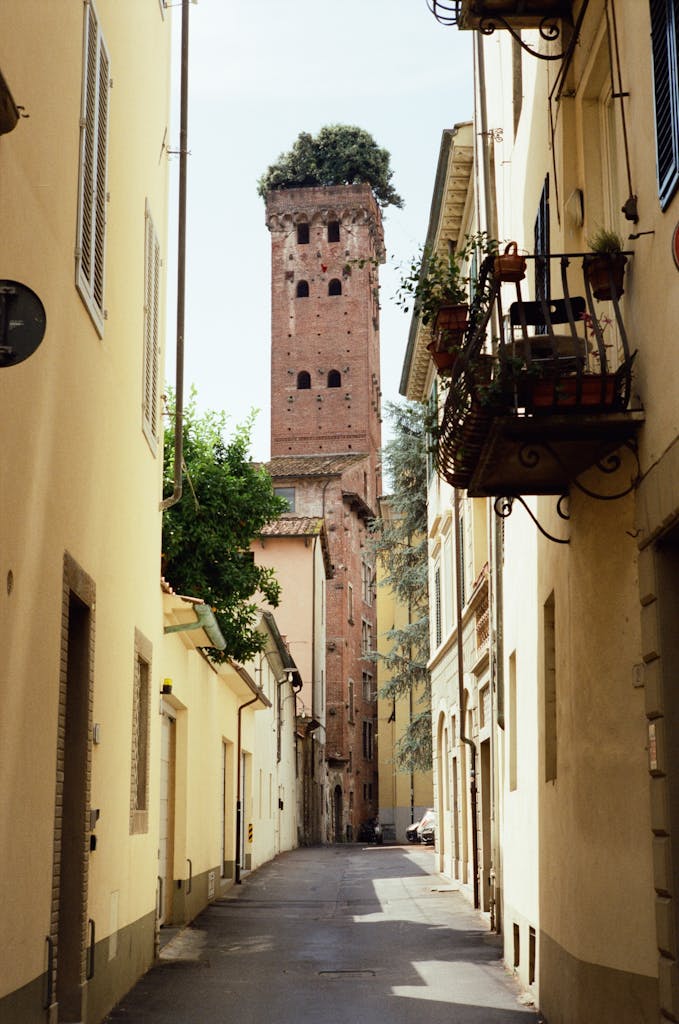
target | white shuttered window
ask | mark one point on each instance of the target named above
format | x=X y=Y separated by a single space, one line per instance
x=151 y=332
x=90 y=247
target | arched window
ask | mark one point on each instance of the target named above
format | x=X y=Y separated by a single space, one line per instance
x=335 y=287
x=333 y=231
x=302 y=234
x=303 y=380
x=302 y=289
x=334 y=379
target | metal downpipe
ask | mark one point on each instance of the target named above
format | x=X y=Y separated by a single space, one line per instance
x=460 y=699
x=181 y=267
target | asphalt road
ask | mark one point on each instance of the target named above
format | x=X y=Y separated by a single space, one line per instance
x=333 y=935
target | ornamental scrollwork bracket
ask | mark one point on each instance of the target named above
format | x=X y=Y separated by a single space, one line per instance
x=548 y=28
x=504 y=506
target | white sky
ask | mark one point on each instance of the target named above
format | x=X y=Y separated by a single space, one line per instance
x=261 y=71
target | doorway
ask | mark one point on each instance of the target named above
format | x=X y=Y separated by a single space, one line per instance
x=338 y=814
x=72 y=828
x=166 y=833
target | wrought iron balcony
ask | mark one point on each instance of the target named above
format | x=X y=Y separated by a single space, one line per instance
x=540 y=390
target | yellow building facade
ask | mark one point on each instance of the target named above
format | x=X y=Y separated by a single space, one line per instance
x=138 y=778
x=83 y=223
x=572 y=444
x=404 y=796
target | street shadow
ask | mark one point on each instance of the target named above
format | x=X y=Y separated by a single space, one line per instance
x=335 y=935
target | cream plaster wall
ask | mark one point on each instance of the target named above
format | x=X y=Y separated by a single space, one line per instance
x=77 y=474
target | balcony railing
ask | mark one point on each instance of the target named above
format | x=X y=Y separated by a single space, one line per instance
x=540 y=389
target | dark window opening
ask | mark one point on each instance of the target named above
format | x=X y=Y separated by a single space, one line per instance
x=333 y=231
x=334 y=379
x=302 y=289
x=303 y=380
x=302 y=234
x=335 y=287
x=288 y=493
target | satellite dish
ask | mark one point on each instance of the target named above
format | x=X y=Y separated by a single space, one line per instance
x=22 y=322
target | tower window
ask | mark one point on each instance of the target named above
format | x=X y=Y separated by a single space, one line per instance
x=334 y=379
x=303 y=380
x=333 y=231
x=302 y=289
x=302 y=234
x=335 y=287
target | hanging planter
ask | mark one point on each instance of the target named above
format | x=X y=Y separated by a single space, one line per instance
x=448 y=334
x=510 y=266
x=605 y=267
x=600 y=269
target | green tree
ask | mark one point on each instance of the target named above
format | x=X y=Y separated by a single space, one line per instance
x=400 y=542
x=339 y=155
x=226 y=501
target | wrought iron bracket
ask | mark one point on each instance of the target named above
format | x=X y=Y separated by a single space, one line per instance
x=548 y=28
x=504 y=506
x=609 y=464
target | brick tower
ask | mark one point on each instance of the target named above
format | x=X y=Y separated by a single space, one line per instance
x=326 y=246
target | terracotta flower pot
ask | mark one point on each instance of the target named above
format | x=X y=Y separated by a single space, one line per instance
x=562 y=394
x=509 y=265
x=599 y=267
x=443 y=358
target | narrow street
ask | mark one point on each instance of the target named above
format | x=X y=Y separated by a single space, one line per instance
x=333 y=935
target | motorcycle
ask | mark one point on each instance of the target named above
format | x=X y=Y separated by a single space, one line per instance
x=371 y=832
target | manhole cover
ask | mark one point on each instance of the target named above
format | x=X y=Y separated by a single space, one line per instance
x=348 y=975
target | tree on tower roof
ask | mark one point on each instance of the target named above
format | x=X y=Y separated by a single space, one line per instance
x=339 y=155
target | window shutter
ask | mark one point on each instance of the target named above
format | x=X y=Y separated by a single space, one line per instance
x=665 y=46
x=91 y=231
x=151 y=331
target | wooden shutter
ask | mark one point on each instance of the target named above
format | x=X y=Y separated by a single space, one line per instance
x=665 y=46
x=91 y=232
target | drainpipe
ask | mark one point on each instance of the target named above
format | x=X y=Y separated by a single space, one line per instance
x=239 y=809
x=181 y=267
x=496 y=538
x=460 y=696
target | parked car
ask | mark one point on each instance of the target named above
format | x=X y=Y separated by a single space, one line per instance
x=414 y=831
x=428 y=833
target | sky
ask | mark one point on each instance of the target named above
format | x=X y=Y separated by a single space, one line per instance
x=260 y=72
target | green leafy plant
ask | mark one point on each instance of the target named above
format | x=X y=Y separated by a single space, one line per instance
x=604 y=240
x=433 y=280
x=339 y=155
x=399 y=539
x=206 y=536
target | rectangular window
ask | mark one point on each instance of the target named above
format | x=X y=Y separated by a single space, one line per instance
x=366 y=638
x=549 y=640
x=91 y=229
x=333 y=231
x=665 y=46
x=288 y=493
x=366 y=581
x=368 y=691
x=350 y=710
x=367 y=740
x=139 y=777
x=350 y=602
x=151 y=360
x=437 y=606
x=302 y=234
x=513 y=722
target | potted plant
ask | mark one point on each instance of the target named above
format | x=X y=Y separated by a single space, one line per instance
x=607 y=261
x=437 y=288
